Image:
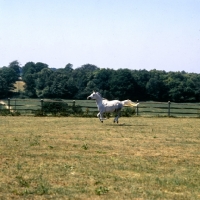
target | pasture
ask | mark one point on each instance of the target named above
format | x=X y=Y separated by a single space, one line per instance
x=81 y=158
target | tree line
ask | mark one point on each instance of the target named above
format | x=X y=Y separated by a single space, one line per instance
x=68 y=83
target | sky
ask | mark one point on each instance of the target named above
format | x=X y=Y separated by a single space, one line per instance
x=133 y=34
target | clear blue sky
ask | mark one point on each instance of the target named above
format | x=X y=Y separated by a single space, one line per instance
x=134 y=34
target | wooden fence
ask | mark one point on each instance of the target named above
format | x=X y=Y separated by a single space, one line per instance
x=170 y=109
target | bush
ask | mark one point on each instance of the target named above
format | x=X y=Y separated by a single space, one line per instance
x=39 y=113
x=61 y=109
x=77 y=110
x=128 y=112
x=4 y=112
x=55 y=108
x=15 y=113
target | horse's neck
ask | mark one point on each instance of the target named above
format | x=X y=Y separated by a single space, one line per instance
x=99 y=101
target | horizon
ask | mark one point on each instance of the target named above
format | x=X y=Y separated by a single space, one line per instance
x=53 y=68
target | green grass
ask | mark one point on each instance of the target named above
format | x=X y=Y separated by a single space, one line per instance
x=81 y=158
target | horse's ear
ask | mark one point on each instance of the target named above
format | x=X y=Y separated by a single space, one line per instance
x=94 y=91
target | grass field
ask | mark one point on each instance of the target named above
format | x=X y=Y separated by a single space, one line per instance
x=81 y=158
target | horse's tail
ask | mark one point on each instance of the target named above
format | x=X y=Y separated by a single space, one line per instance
x=129 y=103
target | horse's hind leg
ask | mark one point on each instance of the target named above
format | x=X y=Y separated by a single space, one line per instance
x=116 y=120
x=117 y=117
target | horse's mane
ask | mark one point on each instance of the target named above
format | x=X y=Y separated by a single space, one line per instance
x=101 y=96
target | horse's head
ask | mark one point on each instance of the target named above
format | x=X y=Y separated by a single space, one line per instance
x=94 y=96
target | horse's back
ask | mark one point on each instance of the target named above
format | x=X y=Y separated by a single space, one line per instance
x=111 y=106
x=111 y=103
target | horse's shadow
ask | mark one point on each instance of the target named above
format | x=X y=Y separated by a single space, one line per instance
x=123 y=124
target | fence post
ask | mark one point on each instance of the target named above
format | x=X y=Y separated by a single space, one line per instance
x=15 y=105
x=169 y=108
x=9 y=104
x=137 y=109
x=74 y=103
x=42 y=101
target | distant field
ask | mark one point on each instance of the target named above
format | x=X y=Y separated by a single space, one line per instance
x=81 y=158
x=19 y=86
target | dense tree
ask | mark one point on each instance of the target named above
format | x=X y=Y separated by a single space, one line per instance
x=43 y=82
x=82 y=76
x=123 y=84
x=30 y=89
x=193 y=84
x=175 y=84
x=15 y=65
x=102 y=82
x=28 y=68
x=8 y=77
x=155 y=87
x=69 y=68
x=29 y=74
x=72 y=89
x=141 y=77
x=32 y=68
x=3 y=87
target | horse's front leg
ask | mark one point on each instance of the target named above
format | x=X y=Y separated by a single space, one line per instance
x=100 y=116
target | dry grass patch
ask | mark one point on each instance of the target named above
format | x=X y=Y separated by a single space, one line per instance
x=80 y=158
x=19 y=86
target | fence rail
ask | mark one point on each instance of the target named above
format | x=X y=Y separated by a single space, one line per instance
x=29 y=106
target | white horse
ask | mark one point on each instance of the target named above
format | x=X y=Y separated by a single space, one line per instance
x=105 y=106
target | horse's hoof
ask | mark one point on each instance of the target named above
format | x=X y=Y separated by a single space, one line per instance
x=101 y=121
x=117 y=122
